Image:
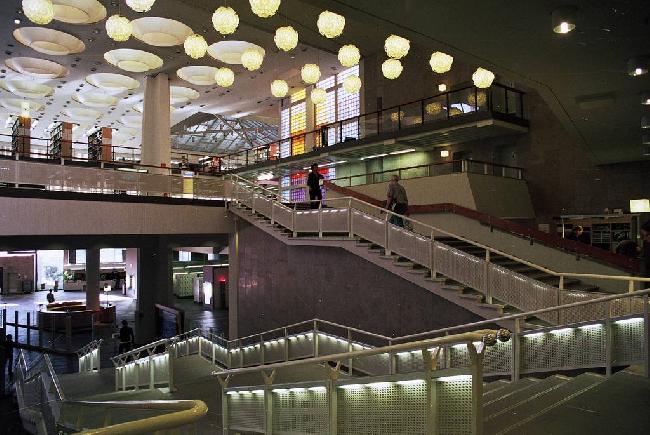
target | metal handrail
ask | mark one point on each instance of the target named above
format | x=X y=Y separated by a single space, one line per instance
x=521 y=316
x=466 y=337
x=185 y=412
x=95 y=344
x=630 y=279
x=123 y=358
x=464 y=168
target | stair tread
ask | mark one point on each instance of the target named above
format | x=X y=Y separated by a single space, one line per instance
x=495 y=408
x=511 y=420
x=510 y=388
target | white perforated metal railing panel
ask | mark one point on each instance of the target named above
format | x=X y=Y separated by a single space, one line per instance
x=262 y=204
x=368 y=227
x=301 y=411
x=274 y=350
x=335 y=220
x=283 y=215
x=94 y=180
x=409 y=245
x=454 y=398
x=246 y=411
x=522 y=292
x=306 y=221
x=252 y=355
x=627 y=341
x=564 y=348
x=459 y=266
x=382 y=408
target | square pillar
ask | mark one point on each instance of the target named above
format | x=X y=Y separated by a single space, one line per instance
x=92 y=279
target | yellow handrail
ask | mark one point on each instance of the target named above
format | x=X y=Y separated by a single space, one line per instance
x=185 y=412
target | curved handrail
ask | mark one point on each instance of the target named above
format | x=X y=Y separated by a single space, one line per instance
x=184 y=412
x=504 y=225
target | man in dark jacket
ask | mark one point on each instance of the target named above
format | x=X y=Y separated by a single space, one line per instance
x=313 y=181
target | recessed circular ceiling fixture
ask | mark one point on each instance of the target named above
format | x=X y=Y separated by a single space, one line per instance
x=34 y=67
x=95 y=99
x=198 y=75
x=133 y=60
x=230 y=51
x=133 y=121
x=49 y=41
x=638 y=66
x=18 y=105
x=181 y=94
x=160 y=32
x=79 y=11
x=563 y=19
x=27 y=88
x=112 y=82
x=82 y=114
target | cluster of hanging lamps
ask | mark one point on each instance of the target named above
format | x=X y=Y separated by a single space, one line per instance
x=349 y=55
x=118 y=28
x=391 y=68
x=264 y=8
x=279 y=88
x=441 y=62
x=310 y=73
x=286 y=38
x=482 y=78
x=225 y=20
x=330 y=25
x=38 y=11
x=224 y=77
x=140 y=5
x=195 y=46
x=396 y=47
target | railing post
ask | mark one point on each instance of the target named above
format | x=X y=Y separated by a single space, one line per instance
x=350 y=360
x=29 y=330
x=609 y=336
x=273 y=212
x=286 y=345
x=350 y=218
x=136 y=376
x=170 y=361
x=320 y=219
x=293 y=220
x=646 y=336
x=392 y=360
x=152 y=372
x=516 y=351
x=262 y=356
x=386 y=229
x=16 y=325
x=214 y=353
x=486 y=278
x=432 y=256
x=558 y=302
x=315 y=336
x=241 y=354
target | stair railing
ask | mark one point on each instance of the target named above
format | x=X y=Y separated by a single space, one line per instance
x=89 y=356
x=336 y=403
x=416 y=241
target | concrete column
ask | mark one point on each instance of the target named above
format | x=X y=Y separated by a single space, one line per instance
x=310 y=112
x=233 y=281
x=154 y=282
x=92 y=279
x=156 y=123
x=132 y=272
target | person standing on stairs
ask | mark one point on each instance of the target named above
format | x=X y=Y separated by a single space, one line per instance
x=645 y=249
x=397 y=201
x=126 y=338
x=313 y=182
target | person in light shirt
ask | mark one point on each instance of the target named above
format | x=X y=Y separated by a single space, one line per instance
x=397 y=201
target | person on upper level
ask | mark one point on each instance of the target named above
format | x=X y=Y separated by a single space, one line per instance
x=313 y=182
x=397 y=201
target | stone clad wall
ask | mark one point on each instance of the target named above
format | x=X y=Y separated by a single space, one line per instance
x=281 y=284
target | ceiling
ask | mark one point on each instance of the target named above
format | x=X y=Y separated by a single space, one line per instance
x=581 y=76
x=249 y=98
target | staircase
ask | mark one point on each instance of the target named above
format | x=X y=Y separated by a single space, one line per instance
x=508 y=406
x=503 y=261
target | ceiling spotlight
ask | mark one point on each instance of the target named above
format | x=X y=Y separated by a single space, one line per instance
x=444 y=153
x=563 y=19
x=16 y=21
x=442 y=87
x=637 y=66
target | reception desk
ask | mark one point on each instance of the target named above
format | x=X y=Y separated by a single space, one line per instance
x=55 y=316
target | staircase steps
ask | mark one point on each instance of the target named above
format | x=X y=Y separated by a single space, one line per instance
x=494 y=386
x=508 y=420
x=502 y=403
x=510 y=388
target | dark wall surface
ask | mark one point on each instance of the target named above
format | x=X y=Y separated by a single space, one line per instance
x=281 y=284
